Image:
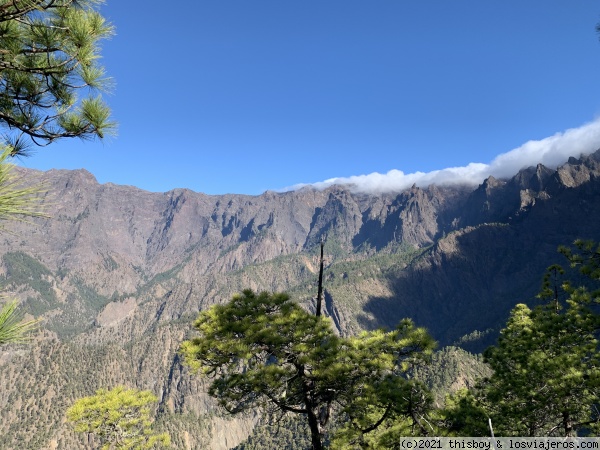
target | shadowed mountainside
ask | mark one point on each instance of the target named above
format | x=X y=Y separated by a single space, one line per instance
x=118 y=274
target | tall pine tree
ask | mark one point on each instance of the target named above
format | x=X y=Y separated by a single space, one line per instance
x=264 y=351
x=546 y=379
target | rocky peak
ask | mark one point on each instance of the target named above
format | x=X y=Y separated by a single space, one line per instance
x=491 y=183
x=578 y=171
x=533 y=178
x=117 y=265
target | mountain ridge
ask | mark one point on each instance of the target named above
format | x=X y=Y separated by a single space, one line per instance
x=120 y=273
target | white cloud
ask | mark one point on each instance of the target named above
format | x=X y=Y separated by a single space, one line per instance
x=551 y=151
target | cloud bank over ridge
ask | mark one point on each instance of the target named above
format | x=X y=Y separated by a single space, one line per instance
x=551 y=152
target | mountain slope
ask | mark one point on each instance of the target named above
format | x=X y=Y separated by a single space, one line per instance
x=118 y=274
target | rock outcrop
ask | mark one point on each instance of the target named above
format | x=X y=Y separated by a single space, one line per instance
x=118 y=274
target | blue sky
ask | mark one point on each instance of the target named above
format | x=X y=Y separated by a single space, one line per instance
x=244 y=96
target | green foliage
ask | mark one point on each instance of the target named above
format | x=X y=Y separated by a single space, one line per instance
x=463 y=415
x=546 y=365
x=392 y=409
x=586 y=258
x=374 y=391
x=22 y=269
x=110 y=264
x=188 y=431
x=17 y=201
x=448 y=374
x=451 y=369
x=24 y=272
x=545 y=371
x=50 y=52
x=92 y=300
x=289 y=433
x=120 y=417
x=266 y=351
x=349 y=280
x=17 y=198
x=12 y=328
x=40 y=382
x=472 y=336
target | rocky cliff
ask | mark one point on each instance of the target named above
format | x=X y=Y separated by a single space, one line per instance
x=118 y=274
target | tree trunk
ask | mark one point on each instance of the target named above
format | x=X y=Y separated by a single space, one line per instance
x=311 y=410
x=315 y=430
x=320 y=290
x=567 y=424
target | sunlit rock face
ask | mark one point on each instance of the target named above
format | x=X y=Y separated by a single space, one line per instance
x=117 y=274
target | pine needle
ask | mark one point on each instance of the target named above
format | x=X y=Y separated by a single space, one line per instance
x=12 y=328
x=17 y=199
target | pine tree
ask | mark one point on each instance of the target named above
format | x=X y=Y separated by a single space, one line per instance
x=120 y=417
x=49 y=53
x=263 y=350
x=546 y=365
